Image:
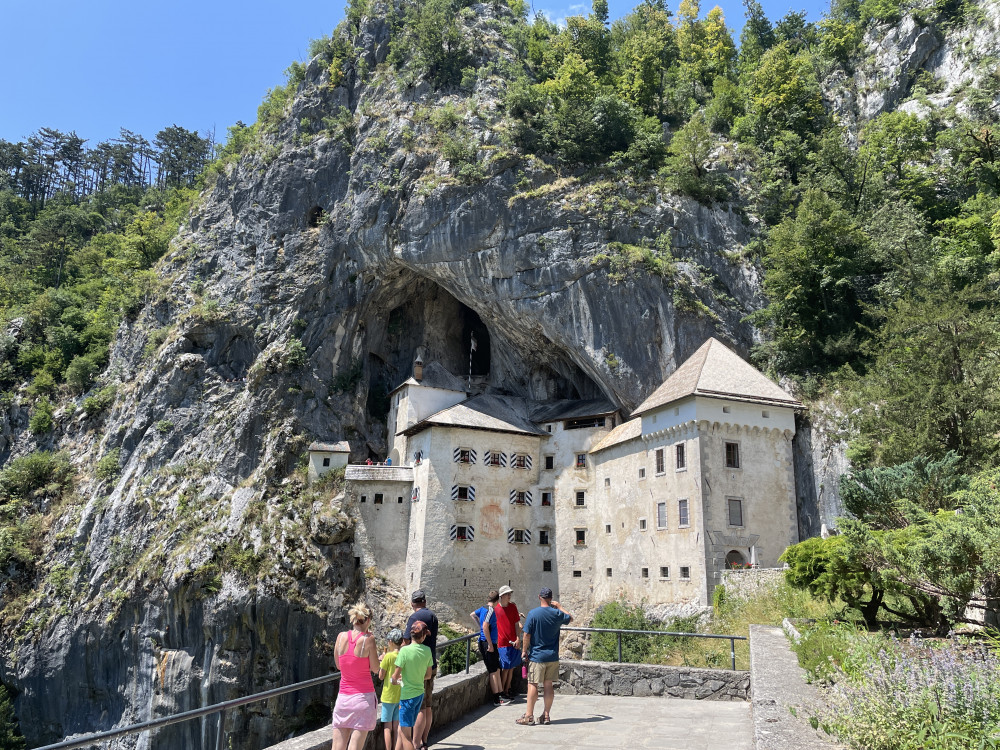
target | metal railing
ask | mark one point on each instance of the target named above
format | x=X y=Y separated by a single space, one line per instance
x=221 y=708
x=731 y=638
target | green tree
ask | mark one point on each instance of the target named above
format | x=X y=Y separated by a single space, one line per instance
x=756 y=38
x=813 y=260
x=10 y=735
x=647 y=50
x=687 y=166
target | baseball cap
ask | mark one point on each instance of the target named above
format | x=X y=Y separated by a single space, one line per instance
x=545 y=593
x=395 y=635
x=418 y=627
x=418 y=596
x=506 y=590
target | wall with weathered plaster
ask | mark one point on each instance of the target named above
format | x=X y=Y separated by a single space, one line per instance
x=337 y=460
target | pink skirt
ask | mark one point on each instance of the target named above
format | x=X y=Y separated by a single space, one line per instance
x=355 y=711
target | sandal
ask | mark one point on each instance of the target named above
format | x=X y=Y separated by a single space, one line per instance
x=545 y=719
x=525 y=721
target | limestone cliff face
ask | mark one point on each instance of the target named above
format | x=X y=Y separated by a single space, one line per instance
x=292 y=300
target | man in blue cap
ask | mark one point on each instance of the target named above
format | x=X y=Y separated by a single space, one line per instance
x=540 y=649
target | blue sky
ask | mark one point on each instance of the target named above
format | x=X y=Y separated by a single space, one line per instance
x=96 y=65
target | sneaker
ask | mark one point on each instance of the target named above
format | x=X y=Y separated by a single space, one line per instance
x=503 y=700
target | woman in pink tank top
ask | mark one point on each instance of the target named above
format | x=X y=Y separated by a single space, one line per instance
x=355 y=713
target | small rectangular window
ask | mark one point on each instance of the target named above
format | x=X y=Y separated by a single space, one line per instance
x=683 y=518
x=581 y=536
x=492 y=458
x=685 y=573
x=399 y=500
x=548 y=428
x=642 y=473
x=364 y=498
x=681 y=458
x=546 y=498
x=581 y=498
x=607 y=481
x=462 y=533
x=465 y=456
x=581 y=460
x=766 y=414
x=608 y=572
x=607 y=528
x=726 y=410
x=550 y=462
x=546 y=566
x=520 y=498
x=664 y=571
x=378 y=498
x=659 y=461
x=578 y=574
x=326 y=461
x=463 y=493
x=732 y=455
x=520 y=536
x=520 y=461
x=645 y=572
x=661 y=515
x=543 y=537
x=735 y=511
x=642 y=524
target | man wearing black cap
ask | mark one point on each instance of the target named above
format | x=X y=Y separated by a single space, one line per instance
x=421 y=614
x=540 y=648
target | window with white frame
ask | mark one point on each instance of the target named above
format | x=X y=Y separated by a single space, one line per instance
x=685 y=573
x=645 y=573
x=642 y=524
x=683 y=516
x=521 y=461
x=735 y=511
x=581 y=536
x=680 y=458
x=493 y=458
x=661 y=515
x=581 y=498
x=581 y=460
x=664 y=571
x=659 y=461
x=642 y=472
x=326 y=461
x=463 y=456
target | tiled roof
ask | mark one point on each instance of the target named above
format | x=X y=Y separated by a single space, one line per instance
x=717 y=371
x=496 y=413
x=342 y=447
x=435 y=375
x=571 y=409
x=621 y=434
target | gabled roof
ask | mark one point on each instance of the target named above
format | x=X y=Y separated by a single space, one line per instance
x=621 y=434
x=716 y=371
x=570 y=409
x=435 y=375
x=342 y=447
x=494 y=413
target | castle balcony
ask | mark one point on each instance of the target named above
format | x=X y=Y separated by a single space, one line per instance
x=379 y=473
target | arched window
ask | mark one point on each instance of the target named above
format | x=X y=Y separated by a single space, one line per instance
x=735 y=560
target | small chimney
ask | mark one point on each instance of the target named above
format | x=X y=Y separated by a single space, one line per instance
x=418 y=368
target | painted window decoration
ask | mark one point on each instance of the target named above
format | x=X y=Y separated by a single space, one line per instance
x=732 y=455
x=520 y=497
x=519 y=536
x=463 y=492
x=495 y=458
x=735 y=511
x=659 y=461
x=520 y=460
x=462 y=533
x=683 y=517
x=415 y=495
x=681 y=459
x=465 y=456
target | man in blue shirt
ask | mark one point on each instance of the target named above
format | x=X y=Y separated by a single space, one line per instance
x=540 y=649
x=489 y=650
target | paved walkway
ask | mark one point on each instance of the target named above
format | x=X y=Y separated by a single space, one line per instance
x=595 y=721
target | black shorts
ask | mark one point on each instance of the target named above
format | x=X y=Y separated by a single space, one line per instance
x=490 y=658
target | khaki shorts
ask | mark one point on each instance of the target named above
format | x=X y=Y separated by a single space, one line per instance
x=429 y=691
x=543 y=671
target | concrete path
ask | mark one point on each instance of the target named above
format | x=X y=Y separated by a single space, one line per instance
x=595 y=721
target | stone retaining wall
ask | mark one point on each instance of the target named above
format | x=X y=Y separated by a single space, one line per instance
x=608 y=678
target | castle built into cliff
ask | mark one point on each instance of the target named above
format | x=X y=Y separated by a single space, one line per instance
x=484 y=490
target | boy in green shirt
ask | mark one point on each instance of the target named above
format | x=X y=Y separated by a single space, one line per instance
x=390 y=692
x=413 y=666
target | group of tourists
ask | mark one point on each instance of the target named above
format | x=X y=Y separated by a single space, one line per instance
x=409 y=665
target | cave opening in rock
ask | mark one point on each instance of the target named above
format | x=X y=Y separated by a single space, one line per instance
x=315 y=216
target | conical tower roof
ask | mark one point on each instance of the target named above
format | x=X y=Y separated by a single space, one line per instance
x=716 y=371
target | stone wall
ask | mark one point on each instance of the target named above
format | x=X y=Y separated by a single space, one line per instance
x=607 y=678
